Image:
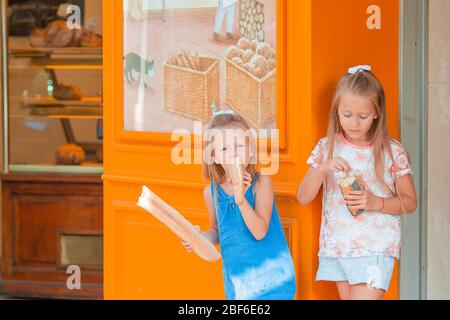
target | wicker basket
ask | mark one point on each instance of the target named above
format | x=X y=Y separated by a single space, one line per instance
x=191 y=93
x=253 y=98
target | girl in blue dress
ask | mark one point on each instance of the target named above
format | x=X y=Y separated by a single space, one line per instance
x=257 y=263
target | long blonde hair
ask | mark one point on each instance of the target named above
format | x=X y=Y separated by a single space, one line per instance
x=364 y=84
x=211 y=170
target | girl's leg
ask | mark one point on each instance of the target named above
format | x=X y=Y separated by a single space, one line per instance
x=219 y=17
x=230 y=17
x=362 y=292
x=343 y=289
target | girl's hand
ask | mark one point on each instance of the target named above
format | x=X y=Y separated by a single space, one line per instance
x=239 y=191
x=334 y=165
x=247 y=179
x=364 y=200
x=187 y=245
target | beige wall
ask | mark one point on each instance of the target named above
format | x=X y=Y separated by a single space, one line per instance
x=1 y=136
x=438 y=275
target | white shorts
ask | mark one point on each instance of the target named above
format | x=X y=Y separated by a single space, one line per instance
x=375 y=271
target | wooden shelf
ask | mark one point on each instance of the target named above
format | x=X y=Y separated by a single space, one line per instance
x=66 y=112
x=69 y=51
x=19 y=47
x=55 y=58
x=86 y=108
x=59 y=66
x=50 y=101
x=90 y=168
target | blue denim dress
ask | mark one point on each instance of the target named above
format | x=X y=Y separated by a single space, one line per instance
x=252 y=269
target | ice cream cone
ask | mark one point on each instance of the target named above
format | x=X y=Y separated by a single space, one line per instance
x=351 y=181
x=236 y=171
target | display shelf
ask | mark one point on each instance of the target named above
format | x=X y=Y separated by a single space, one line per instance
x=85 y=168
x=48 y=101
x=62 y=111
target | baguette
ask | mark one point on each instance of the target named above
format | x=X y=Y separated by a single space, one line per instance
x=150 y=202
x=185 y=59
x=191 y=61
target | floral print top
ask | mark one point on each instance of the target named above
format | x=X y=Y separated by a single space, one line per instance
x=369 y=234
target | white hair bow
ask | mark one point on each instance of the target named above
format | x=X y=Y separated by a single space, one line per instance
x=356 y=69
x=218 y=112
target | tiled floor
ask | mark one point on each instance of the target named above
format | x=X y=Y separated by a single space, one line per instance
x=156 y=40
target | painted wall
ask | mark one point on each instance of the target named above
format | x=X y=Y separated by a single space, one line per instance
x=438 y=273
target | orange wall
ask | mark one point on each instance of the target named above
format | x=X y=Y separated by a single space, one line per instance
x=142 y=259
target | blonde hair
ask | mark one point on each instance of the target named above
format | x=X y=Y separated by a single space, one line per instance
x=211 y=170
x=364 y=84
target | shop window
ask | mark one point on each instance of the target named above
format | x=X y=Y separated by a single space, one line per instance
x=54 y=93
x=184 y=61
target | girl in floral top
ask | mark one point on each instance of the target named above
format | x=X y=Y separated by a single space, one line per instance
x=358 y=251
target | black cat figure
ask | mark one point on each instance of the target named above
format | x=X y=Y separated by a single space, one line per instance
x=140 y=65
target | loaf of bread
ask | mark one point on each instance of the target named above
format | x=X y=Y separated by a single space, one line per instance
x=90 y=39
x=67 y=92
x=178 y=224
x=58 y=35
x=37 y=38
x=70 y=154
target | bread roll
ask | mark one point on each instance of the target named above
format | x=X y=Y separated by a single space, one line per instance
x=70 y=154
x=238 y=61
x=247 y=55
x=271 y=65
x=232 y=52
x=261 y=63
x=254 y=45
x=67 y=92
x=264 y=50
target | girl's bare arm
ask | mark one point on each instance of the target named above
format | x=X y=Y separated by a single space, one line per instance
x=315 y=177
x=212 y=233
x=258 y=220
x=367 y=201
x=310 y=185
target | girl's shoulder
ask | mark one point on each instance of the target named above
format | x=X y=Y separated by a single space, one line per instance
x=263 y=182
x=207 y=192
x=397 y=147
x=322 y=144
x=323 y=141
x=262 y=179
